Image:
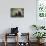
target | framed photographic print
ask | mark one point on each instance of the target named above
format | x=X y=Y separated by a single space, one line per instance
x=41 y=8
x=17 y=12
x=41 y=12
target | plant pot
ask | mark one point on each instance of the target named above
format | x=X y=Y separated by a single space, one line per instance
x=40 y=41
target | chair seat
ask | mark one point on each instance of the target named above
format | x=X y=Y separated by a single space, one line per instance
x=9 y=34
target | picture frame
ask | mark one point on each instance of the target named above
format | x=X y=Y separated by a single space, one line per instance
x=17 y=12
x=41 y=8
x=41 y=12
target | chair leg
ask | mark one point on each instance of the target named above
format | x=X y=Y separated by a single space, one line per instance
x=17 y=40
x=5 y=40
x=5 y=43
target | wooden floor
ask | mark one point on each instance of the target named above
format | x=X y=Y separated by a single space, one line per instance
x=13 y=44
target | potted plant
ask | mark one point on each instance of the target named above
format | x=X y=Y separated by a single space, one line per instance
x=42 y=27
x=35 y=26
x=39 y=35
x=38 y=27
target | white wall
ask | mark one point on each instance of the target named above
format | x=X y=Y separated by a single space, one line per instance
x=24 y=24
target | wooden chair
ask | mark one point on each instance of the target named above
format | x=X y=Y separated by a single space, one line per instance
x=27 y=37
x=8 y=34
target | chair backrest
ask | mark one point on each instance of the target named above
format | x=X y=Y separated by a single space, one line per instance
x=14 y=30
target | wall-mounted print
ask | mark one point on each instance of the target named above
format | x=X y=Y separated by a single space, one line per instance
x=17 y=12
x=41 y=8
